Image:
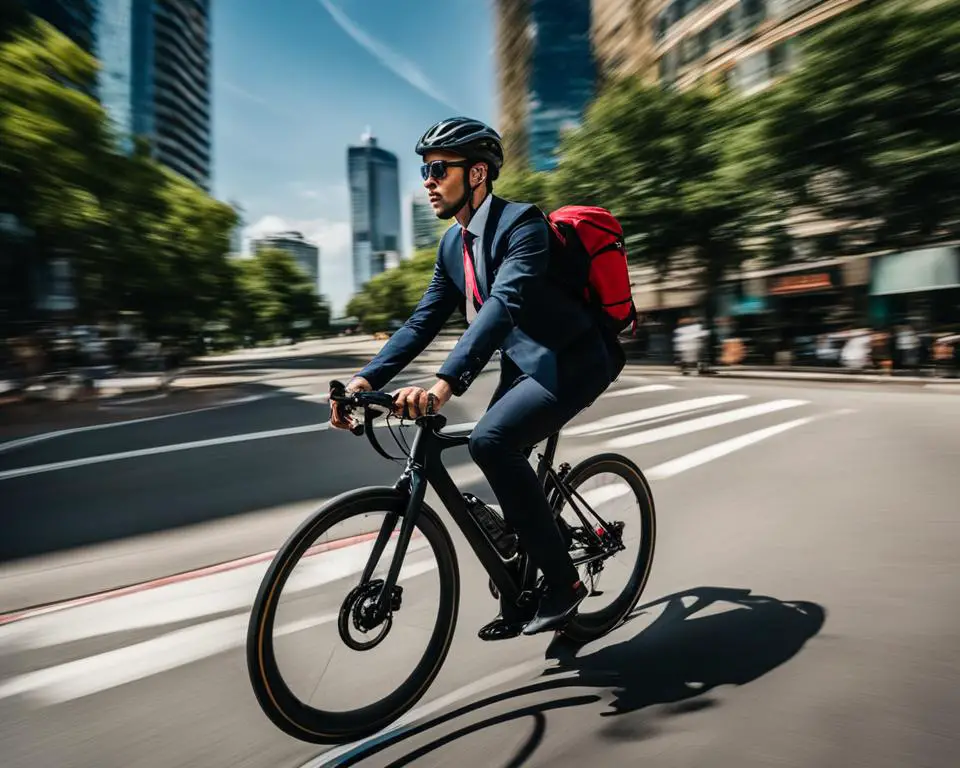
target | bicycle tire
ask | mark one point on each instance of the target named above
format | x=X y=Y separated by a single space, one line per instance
x=581 y=628
x=273 y=695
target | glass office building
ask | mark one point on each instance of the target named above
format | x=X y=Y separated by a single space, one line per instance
x=373 y=175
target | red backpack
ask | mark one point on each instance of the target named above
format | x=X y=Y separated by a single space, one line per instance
x=589 y=241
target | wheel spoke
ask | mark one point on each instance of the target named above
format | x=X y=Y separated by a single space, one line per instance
x=343 y=703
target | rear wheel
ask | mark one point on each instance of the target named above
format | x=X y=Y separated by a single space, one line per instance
x=327 y=595
x=616 y=502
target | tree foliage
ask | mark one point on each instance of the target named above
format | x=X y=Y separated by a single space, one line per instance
x=867 y=130
x=668 y=164
x=273 y=297
x=391 y=296
x=138 y=237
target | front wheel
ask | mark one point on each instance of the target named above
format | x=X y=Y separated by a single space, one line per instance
x=612 y=489
x=313 y=587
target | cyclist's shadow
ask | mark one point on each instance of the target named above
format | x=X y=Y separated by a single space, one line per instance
x=675 y=661
x=683 y=655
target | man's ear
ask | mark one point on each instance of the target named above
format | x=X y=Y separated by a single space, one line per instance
x=478 y=174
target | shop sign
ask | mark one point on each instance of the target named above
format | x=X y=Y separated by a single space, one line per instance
x=803 y=283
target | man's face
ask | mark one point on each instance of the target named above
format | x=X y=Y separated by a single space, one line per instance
x=446 y=192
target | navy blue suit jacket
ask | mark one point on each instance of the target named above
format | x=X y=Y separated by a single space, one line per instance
x=546 y=331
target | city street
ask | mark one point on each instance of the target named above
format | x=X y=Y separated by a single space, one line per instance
x=801 y=609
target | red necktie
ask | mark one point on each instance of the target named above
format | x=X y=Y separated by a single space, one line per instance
x=469 y=275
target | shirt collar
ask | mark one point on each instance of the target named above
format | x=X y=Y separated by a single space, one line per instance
x=479 y=221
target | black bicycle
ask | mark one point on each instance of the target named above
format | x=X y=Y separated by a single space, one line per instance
x=372 y=606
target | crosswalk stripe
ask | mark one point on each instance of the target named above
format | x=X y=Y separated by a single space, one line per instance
x=191 y=600
x=653 y=412
x=642 y=390
x=705 y=422
x=103 y=671
x=717 y=450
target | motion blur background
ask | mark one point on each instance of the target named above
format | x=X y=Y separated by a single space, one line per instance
x=210 y=209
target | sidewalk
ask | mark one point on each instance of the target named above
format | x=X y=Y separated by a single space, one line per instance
x=797 y=373
x=221 y=373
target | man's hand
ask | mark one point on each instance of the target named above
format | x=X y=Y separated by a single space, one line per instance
x=337 y=419
x=412 y=402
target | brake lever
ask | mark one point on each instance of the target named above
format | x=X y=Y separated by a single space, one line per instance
x=338 y=391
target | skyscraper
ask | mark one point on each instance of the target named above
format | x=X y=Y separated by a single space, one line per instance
x=305 y=253
x=373 y=175
x=155 y=79
x=546 y=74
x=747 y=43
x=423 y=222
x=74 y=18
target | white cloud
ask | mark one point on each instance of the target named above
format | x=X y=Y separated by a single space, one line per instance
x=333 y=238
x=395 y=62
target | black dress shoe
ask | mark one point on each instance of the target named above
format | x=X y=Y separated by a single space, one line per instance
x=501 y=629
x=509 y=622
x=556 y=608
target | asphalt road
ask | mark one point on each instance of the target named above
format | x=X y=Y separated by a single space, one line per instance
x=801 y=609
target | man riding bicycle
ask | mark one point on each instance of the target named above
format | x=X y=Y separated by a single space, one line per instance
x=555 y=360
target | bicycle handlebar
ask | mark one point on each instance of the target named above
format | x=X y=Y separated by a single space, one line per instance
x=372 y=403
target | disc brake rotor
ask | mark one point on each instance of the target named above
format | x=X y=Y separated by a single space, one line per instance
x=359 y=613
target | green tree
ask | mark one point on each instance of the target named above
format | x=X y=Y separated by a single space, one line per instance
x=525 y=186
x=273 y=298
x=53 y=148
x=391 y=296
x=673 y=167
x=867 y=130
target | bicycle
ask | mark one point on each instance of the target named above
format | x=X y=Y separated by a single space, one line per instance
x=370 y=606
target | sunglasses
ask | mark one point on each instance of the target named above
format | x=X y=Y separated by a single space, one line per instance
x=438 y=168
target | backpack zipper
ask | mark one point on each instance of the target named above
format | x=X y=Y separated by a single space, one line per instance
x=614 y=246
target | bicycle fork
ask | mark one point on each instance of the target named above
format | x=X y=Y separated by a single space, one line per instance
x=416 y=487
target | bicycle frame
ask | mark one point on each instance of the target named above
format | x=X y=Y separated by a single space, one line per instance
x=425 y=466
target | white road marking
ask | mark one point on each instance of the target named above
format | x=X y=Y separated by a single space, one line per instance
x=620 y=420
x=93 y=674
x=159 y=449
x=184 y=601
x=605 y=493
x=336 y=755
x=716 y=451
x=140 y=382
x=641 y=390
x=704 y=422
x=8 y=446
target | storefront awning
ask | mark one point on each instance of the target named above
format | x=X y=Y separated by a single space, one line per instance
x=929 y=269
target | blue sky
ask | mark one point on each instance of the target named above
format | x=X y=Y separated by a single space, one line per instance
x=292 y=90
